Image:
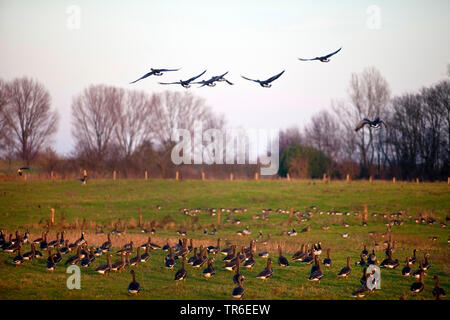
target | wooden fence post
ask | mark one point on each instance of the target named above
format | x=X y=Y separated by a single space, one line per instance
x=140 y=218
x=146 y=175
x=288 y=176
x=114 y=175
x=203 y=175
x=51 y=175
x=417 y=180
x=256 y=175
x=366 y=213
x=448 y=180
x=371 y=179
x=231 y=176
x=324 y=178
x=218 y=217
x=52 y=216
x=348 y=177
x=291 y=213
x=177 y=175
x=393 y=179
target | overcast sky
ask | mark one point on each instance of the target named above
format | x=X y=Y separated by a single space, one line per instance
x=118 y=41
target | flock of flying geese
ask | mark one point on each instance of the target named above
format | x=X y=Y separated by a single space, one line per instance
x=212 y=81
x=205 y=256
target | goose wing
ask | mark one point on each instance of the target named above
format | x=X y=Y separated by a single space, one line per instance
x=193 y=78
x=250 y=79
x=274 y=77
x=308 y=59
x=176 y=82
x=143 y=77
x=361 y=124
x=166 y=70
x=331 y=54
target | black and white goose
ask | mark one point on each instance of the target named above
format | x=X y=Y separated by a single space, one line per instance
x=51 y=265
x=145 y=256
x=170 y=261
x=325 y=58
x=230 y=255
x=238 y=292
x=53 y=243
x=300 y=254
x=267 y=272
x=107 y=244
x=406 y=271
x=438 y=292
x=327 y=261
x=317 y=248
x=414 y=258
x=426 y=264
x=209 y=271
x=282 y=261
x=181 y=273
x=214 y=249
x=376 y=123
x=237 y=272
x=363 y=290
x=18 y=260
x=364 y=252
x=345 y=271
x=361 y=262
x=250 y=262
x=418 y=286
x=316 y=273
x=265 y=83
x=136 y=259
x=184 y=83
x=119 y=265
x=75 y=258
x=389 y=262
x=81 y=240
x=104 y=269
x=154 y=72
x=134 y=287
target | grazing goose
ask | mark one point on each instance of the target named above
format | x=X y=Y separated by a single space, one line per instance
x=438 y=292
x=282 y=261
x=181 y=273
x=185 y=83
x=18 y=260
x=345 y=271
x=134 y=287
x=105 y=269
x=107 y=244
x=50 y=262
x=389 y=262
x=250 y=262
x=316 y=273
x=76 y=258
x=238 y=292
x=170 y=261
x=325 y=58
x=267 y=272
x=418 y=286
x=299 y=255
x=265 y=83
x=155 y=72
x=135 y=260
x=237 y=272
x=363 y=290
x=327 y=261
x=209 y=271
x=406 y=271
x=145 y=256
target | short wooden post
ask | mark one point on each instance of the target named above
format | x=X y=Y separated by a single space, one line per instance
x=448 y=180
x=393 y=179
x=371 y=179
x=52 y=216
x=348 y=177
x=291 y=213
x=140 y=218
x=328 y=179
x=366 y=213
x=177 y=175
x=51 y=175
x=146 y=175
x=417 y=180
x=203 y=175
x=324 y=178
x=218 y=217
x=288 y=176
x=256 y=175
x=114 y=175
x=231 y=176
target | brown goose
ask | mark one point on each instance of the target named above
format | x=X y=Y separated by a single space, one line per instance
x=345 y=271
x=267 y=272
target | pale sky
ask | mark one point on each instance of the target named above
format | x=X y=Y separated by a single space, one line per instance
x=118 y=41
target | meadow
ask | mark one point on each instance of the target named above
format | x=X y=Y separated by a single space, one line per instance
x=106 y=204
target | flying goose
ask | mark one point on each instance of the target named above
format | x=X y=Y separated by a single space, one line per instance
x=265 y=83
x=373 y=124
x=185 y=83
x=212 y=81
x=325 y=58
x=154 y=72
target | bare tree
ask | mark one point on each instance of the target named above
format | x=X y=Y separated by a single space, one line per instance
x=289 y=137
x=94 y=119
x=27 y=114
x=369 y=95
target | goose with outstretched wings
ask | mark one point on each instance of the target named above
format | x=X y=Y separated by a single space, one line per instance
x=154 y=72
x=265 y=83
x=325 y=58
x=185 y=83
x=373 y=124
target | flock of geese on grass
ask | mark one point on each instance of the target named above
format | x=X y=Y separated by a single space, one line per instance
x=205 y=256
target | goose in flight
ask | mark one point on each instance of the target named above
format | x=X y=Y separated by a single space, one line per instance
x=373 y=124
x=265 y=83
x=185 y=83
x=212 y=82
x=20 y=170
x=155 y=72
x=322 y=58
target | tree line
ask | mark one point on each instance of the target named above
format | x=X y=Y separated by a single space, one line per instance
x=130 y=131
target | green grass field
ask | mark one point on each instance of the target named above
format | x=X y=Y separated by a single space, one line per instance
x=26 y=205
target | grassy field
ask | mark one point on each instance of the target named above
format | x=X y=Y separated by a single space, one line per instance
x=26 y=205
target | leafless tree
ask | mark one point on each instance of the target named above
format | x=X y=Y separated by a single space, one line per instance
x=289 y=137
x=27 y=114
x=94 y=119
x=369 y=95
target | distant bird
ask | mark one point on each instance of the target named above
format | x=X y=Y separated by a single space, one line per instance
x=327 y=261
x=345 y=271
x=238 y=292
x=406 y=271
x=185 y=83
x=316 y=272
x=325 y=58
x=265 y=83
x=267 y=272
x=418 y=286
x=282 y=261
x=154 y=72
x=181 y=273
x=212 y=81
x=134 y=287
x=438 y=292
x=20 y=170
x=209 y=271
x=373 y=124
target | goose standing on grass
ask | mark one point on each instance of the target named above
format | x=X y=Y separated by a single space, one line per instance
x=389 y=262
x=282 y=261
x=250 y=262
x=193 y=258
x=145 y=256
x=406 y=271
x=364 y=252
x=135 y=260
x=170 y=261
x=438 y=292
x=231 y=255
x=267 y=272
x=345 y=271
x=81 y=240
x=30 y=254
x=181 y=273
x=53 y=243
x=50 y=262
x=107 y=244
x=65 y=249
x=88 y=258
x=418 y=286
x=420 y=270
x=327 y=261
x=316 y=273
x=134 y=287
x=57 y=257
x=76 y=258
x=105 y=268
x=361 y=262
x=298 y=256
x=43 y=245
x=361 y=292
x=214 y=249
x=18 y=260
x=317 y=249
x=237 y=272
x=238 y=292
x=414 y=258
x=209 y=271
x=426 y=264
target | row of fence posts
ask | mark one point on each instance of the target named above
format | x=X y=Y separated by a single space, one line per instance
x=325 y=178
